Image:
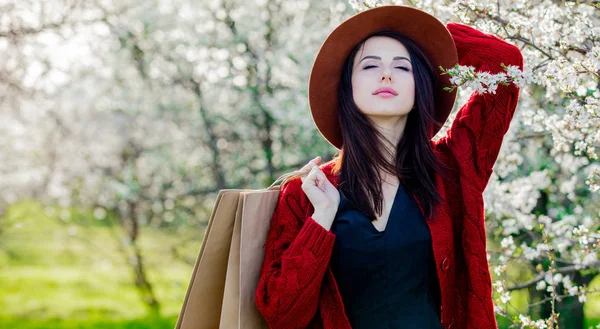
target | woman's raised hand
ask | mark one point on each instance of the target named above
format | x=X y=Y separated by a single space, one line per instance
x=324 y=197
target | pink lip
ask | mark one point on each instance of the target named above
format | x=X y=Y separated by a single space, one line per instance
x=385 y=92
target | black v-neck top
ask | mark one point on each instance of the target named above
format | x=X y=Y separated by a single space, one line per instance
x=387 y=279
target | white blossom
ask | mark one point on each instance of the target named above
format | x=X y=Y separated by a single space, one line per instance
x=541 y=285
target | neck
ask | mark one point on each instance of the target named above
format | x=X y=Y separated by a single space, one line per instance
x=392 y=128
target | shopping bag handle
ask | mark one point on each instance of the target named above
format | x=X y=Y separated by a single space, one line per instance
x=276 y=185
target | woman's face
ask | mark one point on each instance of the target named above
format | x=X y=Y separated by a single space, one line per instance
x=382 y=78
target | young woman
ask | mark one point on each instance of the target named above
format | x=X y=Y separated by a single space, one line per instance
x=390 y=233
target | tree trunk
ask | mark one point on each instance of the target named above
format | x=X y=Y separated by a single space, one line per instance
x=133 y=253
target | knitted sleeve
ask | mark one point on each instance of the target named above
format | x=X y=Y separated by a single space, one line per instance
x=296 y=257
x=476 y=134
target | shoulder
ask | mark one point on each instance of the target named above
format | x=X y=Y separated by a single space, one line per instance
x=329 y=169
x=292 y=190
x=294 y=186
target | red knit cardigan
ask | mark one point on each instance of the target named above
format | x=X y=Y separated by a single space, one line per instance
x=297 y=288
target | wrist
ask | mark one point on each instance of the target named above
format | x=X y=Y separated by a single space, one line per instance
x=324 y=217
x=325 y=211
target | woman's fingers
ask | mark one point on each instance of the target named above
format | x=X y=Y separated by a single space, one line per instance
x=310 y=165
x=321 y=193
x=317 y=178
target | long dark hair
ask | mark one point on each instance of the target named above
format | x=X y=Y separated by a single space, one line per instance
x=363 y=148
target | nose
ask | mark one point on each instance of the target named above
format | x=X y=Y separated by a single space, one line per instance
x=386 y=76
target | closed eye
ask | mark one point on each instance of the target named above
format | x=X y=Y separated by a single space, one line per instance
x=398 y=67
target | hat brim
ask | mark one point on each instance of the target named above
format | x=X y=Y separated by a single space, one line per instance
x=424 y=29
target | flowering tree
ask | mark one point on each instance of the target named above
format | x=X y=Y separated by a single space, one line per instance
x=542 y=202
x=142 y=110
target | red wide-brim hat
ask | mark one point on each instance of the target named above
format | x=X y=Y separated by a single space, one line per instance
x=425 y=30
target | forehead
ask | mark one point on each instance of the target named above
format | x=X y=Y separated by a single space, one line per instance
x=382 y=46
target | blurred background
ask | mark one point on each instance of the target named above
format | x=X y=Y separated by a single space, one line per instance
x=120 y=120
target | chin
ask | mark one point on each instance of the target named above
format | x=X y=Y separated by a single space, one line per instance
x=387 y=112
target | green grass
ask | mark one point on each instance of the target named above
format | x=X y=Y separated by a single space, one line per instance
x=142 y=323
x=55 y=269
x=72 y=273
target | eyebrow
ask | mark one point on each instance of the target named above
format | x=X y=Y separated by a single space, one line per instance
x=379 y=58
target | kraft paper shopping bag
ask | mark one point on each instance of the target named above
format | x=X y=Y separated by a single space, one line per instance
x=224 y=280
